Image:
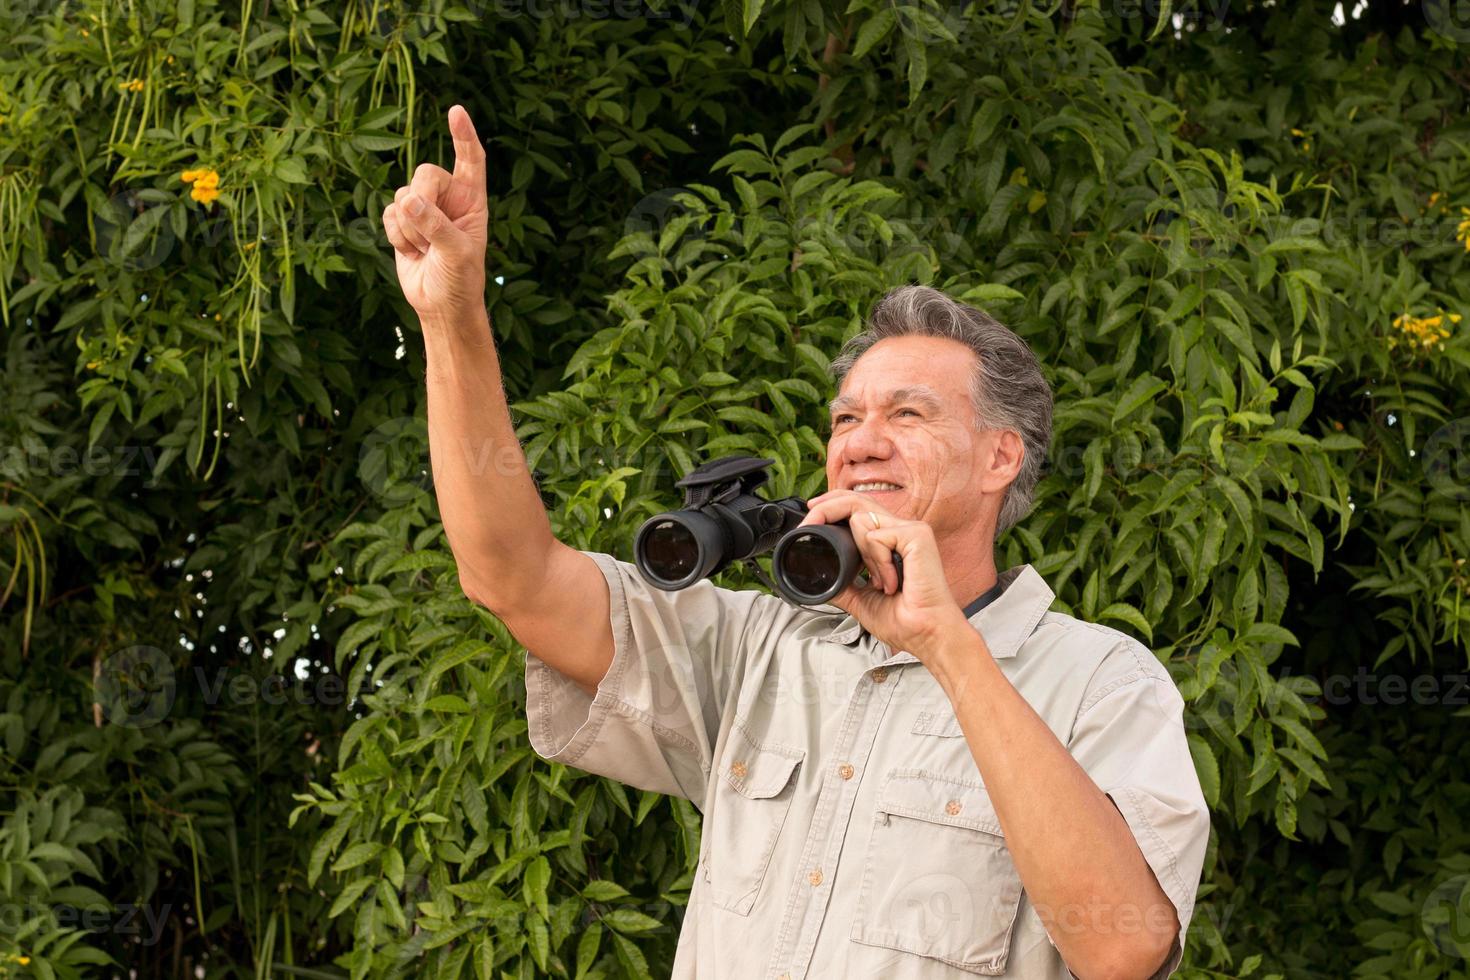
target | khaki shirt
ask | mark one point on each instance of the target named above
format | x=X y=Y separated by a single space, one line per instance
x=847 y=830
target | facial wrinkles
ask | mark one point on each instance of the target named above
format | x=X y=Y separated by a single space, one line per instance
x=907 y=449
x=919 y=451
x=935 y=457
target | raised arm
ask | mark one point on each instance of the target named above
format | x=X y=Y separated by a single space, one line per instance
x=552 y=598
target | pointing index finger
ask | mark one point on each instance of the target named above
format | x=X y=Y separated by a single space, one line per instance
x=469 y=152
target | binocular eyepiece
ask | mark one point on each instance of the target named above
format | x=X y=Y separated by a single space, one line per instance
x=723 y=521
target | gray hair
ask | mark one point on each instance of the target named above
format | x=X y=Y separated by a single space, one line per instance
x=1007 y=391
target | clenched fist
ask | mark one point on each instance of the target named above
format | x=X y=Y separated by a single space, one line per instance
x=437 y=224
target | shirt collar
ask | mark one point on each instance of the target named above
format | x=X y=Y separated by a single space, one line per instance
x=1005 y=623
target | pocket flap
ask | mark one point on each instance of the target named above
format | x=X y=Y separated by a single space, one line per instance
x=759 y=771
x=939 y=799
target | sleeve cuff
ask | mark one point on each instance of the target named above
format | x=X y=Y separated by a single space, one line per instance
x=562 y=719
x=1171 y=962
x=636 y=728
x=1161 y=860
x=1157 y=852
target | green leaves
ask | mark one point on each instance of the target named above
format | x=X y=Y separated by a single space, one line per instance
x=1128 y=614
x=1141 y=392
x=213 y=418
x=1206 y=768
x=874 y=30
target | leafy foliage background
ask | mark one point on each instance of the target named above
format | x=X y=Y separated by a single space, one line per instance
x=240 y=690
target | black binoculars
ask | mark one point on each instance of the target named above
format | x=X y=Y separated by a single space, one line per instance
x=723 y=521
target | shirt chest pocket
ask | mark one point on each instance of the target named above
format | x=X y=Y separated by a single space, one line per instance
x=938 y=880
x=757 y=782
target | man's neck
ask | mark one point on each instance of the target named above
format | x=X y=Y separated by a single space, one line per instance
x=969 y=567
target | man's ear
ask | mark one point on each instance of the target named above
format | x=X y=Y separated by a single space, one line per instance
x=1003 y=454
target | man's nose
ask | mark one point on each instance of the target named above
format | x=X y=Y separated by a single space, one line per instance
x=869 y=439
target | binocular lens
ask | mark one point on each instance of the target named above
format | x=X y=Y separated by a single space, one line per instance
x=814 y=563
x=679 y=549
x=670 y=550
x=808 y=564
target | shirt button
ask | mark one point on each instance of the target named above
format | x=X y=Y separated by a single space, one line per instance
x=815 y=877
x=845 y=771
x=952 y=807
x=737 y=769
x=880 y=674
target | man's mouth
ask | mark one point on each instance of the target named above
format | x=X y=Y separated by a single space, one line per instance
x=875 y=487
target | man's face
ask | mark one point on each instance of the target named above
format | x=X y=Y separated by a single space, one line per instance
x=904 y=416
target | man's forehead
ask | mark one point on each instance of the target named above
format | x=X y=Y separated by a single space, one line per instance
x=931 y=369
x=886 y=396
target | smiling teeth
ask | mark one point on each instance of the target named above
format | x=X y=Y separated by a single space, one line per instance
x=877 y=486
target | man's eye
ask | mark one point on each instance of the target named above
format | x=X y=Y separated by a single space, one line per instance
x=908 y=410
x=840 y=418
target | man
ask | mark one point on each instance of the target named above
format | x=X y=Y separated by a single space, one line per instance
x=933 y=782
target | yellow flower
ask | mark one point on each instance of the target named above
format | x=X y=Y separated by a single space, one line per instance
x=1297 y=132
x=1426 y=332
x=205 y=181
x=131 y=85
x=1462 y=233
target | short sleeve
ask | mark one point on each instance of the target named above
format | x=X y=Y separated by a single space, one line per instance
x=656 y=715
x=1129 y=737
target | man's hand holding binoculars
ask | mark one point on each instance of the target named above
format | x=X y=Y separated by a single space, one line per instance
x=438 y=224
x=912 y=617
